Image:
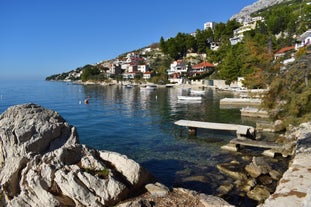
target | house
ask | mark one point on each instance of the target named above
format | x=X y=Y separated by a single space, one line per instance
x=132 y=68
x=209 y=25
x=201 y=68
x=235 y=40
x=143 y=68
x=304 y=39
x=215 y=46
x=115 y=69
x=147 y=75
x=248 y=25
x=283 y=51
x=177 y=68
x=128 y=75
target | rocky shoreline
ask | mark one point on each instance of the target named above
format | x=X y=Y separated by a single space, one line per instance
x=43 y=164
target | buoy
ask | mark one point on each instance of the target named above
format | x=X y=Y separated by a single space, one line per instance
x=86 y=101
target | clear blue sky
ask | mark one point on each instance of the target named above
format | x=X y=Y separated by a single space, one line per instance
x=44 y=37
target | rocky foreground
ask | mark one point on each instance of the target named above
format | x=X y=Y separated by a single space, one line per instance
x=42 y=163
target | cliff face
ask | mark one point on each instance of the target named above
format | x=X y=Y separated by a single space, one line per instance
x=258 y=5
x=43 y=164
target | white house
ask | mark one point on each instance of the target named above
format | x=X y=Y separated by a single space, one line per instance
x=147 y=75
x=132 y=68
x=248 y=25
x=304 y=39
x=176 y=70
x=209 y=25
x=115 y=69
x=143 y=68
x=128 y=75
x=178 y=66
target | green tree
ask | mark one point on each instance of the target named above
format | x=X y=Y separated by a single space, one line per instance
x=163 y=46
x=229 y=68
x=89 y=72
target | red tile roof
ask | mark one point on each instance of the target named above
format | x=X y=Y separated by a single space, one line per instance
x=285 y=49
x=203 y=65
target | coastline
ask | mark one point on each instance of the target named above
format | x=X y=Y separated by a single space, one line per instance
x=286 y=193
x=65 y=86
x=290 y=177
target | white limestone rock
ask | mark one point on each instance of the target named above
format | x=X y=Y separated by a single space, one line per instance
x=256 y=6
x=43 y=164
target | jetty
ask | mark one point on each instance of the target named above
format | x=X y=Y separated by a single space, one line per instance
x=240 y=102
x=271 y=148
x=246 y=136
x=241 y=130
x=254 y=112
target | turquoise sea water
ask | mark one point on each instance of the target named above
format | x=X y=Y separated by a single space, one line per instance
x=140 y=124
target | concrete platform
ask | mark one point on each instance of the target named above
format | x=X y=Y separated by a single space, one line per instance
x=254 y=112
x=255 y=143
x=241 y=130
x=240 y=102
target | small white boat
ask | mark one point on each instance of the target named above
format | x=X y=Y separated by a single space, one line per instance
x=189 y=98
x=149 y=87
x=129 y=86
x=196 y=92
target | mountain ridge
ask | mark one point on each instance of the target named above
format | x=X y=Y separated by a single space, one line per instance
x=256 y=6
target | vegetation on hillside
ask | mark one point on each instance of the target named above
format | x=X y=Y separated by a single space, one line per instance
x=289 y=97
x=253 y=57
x=93 y=73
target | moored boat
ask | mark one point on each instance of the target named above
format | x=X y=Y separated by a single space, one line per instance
x=189 y=98
x=197 y=92
x=149 y=87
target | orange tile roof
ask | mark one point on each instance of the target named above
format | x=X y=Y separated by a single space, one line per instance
x=285 y=49
x=203 y=65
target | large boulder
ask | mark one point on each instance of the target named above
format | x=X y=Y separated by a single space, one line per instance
x=42 y=163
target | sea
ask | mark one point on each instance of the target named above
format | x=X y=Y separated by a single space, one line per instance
x=139 y=123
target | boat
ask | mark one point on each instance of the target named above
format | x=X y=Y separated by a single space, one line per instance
x=196 y=92
x=189 y=98
x=149 y=87
x=129 y=86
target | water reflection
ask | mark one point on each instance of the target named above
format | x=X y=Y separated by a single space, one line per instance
x=140 y=124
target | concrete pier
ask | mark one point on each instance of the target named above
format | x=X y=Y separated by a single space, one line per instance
x=254 y=112
x=241 y=130
x=240 y=102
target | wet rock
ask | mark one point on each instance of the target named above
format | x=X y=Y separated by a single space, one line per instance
x=232 y=170
x=275 y=175
x=265 y=179
x=257 y=167
x=262 y=164
x=157 y=189
x=246 y=186
x=224 y=189
x=259 y=193
x=253 y=170
x=279 y=126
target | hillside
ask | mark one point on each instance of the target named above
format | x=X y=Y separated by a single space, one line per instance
x=261 y=48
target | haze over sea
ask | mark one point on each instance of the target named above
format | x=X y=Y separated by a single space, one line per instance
x=140 y=124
